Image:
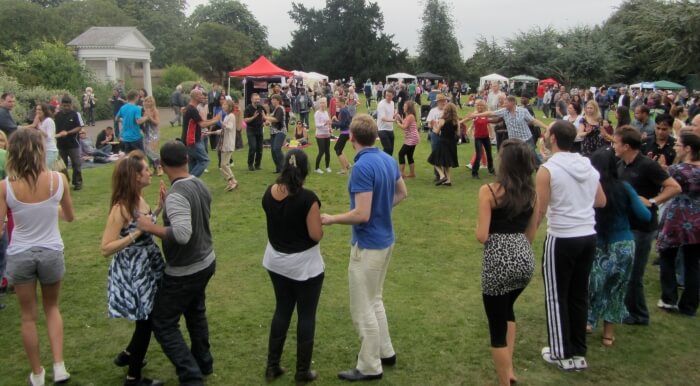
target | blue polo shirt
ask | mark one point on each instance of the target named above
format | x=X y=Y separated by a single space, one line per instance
x=131 y=131
x=374 y=171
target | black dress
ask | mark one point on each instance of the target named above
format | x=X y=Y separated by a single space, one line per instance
x=445 y=154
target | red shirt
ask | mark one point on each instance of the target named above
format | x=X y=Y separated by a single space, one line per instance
x=481 y=127
x=540 y=91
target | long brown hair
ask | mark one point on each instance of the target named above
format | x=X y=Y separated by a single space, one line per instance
x=515 y=176
x=411 y=108
x=450 y=114
x=26 y=157
x=126 y=191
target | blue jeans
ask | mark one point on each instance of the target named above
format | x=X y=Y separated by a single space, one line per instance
x=184 y=296
x=533 y=146
x=276 y=150
x=199 y=158
x=634 y=300
x=486 y=143
x=127 y=147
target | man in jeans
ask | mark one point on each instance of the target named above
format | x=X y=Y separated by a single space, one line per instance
x=192 y=124
x=253 y=116
x=385 y=121
x=654 y=186
x=176 y=103
x=375 y=188
x=190 y=263
x=130 y=114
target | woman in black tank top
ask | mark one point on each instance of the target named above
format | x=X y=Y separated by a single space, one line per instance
x=506 y=227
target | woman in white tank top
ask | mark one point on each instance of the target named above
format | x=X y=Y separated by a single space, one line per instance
x=37 y=197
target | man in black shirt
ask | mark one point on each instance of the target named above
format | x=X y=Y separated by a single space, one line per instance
x=659 y=146
x=253 y=117
x=654 y=187
x=68 y=125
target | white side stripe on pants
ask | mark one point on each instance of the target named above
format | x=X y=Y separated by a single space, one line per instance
x=552 y=299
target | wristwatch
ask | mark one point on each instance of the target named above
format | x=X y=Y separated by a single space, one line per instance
x=652 y=201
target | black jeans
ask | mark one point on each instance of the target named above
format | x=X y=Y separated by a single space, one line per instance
x=486 y=143
x=635 y=300
x=688 y=303
x=255 y=148
x=387 y=139
x=324 y=148
x=303 y=295
x=184 y=296
x=75 y=162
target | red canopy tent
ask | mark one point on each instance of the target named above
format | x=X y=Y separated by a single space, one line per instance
x=261 y=70
x=261 y=67
x=548 y=81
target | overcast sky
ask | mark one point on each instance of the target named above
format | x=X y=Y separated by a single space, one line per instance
x=497 y=18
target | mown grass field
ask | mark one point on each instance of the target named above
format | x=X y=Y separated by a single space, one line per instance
x=432 y=295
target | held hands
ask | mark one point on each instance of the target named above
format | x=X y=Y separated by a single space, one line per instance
x=162 y=193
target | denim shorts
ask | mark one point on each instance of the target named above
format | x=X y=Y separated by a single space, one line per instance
x=46 y=265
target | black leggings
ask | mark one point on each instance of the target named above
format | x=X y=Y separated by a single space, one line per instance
x=302 y=294
x=324 y=148
x=406 y=152
x=499 y=311
x=138 y=346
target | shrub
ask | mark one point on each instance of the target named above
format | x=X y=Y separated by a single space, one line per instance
x=51 y=65
x=176 y=74
x=27 y=98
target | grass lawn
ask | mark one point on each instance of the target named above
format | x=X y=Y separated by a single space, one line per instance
x=432 y=296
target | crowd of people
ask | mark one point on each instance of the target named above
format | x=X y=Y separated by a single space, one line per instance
x=607 y=194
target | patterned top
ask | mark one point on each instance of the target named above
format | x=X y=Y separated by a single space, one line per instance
x=134 y=276
x=594 y=140
x=516 y=122
x=412 y=138
x=681 y=219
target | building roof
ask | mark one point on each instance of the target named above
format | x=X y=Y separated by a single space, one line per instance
x=112 y=37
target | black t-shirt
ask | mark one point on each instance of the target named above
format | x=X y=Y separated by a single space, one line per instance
x=652 y=149
x=66 y=122
x=256 y=124
x=286 y=220
x=191 y=131
x=646 y=177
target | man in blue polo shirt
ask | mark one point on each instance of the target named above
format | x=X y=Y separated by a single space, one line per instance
x=375 y=187
x=130 y=113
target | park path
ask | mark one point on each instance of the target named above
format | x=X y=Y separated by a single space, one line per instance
x=166 y=114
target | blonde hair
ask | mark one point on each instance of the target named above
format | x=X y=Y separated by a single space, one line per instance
x=150 y=99
x=596 y=110
x=26 y=157
x=3 y=138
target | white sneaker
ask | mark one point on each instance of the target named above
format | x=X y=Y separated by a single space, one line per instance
x=59 y=373
x=580 y=363
x=319 y=171
x=562 y=364
x=37 y=379
x=206 y=170
x=666 y=307
x=328 y=170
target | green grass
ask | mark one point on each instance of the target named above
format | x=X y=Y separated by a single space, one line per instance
x=432 y=296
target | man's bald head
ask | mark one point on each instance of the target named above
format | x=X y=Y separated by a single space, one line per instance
x=696 y=124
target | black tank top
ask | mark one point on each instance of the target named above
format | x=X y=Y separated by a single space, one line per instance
x=501 y=222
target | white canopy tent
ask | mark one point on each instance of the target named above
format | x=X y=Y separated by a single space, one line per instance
x=400 y=76
x=491 y=78
x=317 y=76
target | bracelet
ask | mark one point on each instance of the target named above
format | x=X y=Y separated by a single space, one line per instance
x=131 y=236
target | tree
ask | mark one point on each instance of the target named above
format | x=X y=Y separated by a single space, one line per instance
x=25 y=25
x=438 y=46
x=235 y=15
x=51 y=65
x=209 y=56
x=85 y=14
x=488 y=58
x=343 y=39
x=48 y=3
x=161 y=22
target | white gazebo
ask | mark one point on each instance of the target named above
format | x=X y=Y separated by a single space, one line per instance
x=400 y=76
x=111 y=53
x=491 y=78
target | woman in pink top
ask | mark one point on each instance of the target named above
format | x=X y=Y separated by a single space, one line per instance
x=323 y=135
x=411 y=139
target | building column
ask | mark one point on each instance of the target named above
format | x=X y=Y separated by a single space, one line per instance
x=147 y=76
x=112 y=69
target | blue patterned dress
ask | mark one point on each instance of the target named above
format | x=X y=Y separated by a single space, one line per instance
x=134 y=275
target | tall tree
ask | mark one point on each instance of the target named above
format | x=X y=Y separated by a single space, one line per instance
x=345 y=38
x=85 y=14
x=488 y=57
x=25 y=25
x=437 y=44
x=235 y=15
x=204 y=52
x=162 y=22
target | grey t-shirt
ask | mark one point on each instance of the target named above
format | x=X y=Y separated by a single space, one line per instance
x=7 y=123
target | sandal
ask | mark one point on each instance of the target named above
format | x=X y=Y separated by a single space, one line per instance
x=608 y=341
